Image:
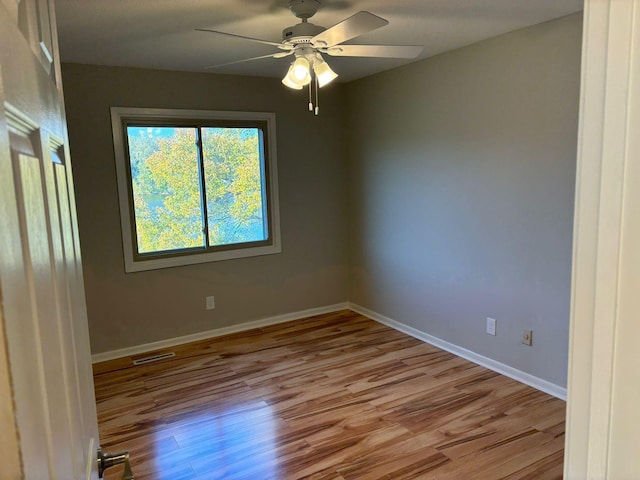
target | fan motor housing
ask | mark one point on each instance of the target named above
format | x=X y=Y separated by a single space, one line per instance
x=301 y=33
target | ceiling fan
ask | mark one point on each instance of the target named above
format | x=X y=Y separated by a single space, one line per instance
x=308 y=43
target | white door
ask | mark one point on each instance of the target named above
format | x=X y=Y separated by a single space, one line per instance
x=47 y=406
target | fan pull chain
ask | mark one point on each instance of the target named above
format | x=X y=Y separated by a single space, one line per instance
x=310 y=96
x=317 y=100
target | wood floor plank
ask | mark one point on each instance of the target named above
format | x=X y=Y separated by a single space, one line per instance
x=331 y=397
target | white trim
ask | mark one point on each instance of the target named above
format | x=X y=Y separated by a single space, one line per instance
x=18 y=122
x=54 y=142
x=218 y=332
x=91 y=459
x=130 y=264
x=609 y=92
x=523 y=377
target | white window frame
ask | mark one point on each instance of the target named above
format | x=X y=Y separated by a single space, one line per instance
x=132 y=262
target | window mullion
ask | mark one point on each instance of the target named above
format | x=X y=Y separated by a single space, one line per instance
x=203 y=189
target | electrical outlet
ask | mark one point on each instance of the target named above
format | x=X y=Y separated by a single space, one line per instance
x=527 y=337
x=211 y=303
x=491 y=326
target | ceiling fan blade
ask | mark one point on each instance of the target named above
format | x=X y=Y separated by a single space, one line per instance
x=355 y=25
x=388 y=51
x=272 y=55
x=257 y=40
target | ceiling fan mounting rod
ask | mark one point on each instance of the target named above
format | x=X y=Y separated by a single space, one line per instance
x=304 y=9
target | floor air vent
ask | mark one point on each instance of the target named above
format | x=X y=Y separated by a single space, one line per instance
x=154 y=358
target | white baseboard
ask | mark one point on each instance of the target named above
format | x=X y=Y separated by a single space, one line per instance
x=523 y=377
x=218 y=332
x=526 y=378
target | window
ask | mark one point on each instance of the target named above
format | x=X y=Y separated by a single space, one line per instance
x=195 y=186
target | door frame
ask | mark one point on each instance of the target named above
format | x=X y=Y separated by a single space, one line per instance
x=609 y=111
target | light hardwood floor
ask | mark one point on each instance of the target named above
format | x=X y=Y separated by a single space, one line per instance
x=336 y=396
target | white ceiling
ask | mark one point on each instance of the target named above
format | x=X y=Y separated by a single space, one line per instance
x=160 y=33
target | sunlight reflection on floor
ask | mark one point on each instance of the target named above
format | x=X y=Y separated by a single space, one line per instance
x=238 y=442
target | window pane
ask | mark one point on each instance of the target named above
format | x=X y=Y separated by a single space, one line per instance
x=166 y=188
x=234 y=179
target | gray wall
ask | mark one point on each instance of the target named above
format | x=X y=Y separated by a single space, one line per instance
x=130 y=309
x=462 y=184
x=448 y=193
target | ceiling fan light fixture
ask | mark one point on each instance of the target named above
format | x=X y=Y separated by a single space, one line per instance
x=324 y=73
x=300 y=70
x=298 y=74
x=289 y=80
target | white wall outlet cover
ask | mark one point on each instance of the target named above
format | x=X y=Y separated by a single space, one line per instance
x=211 y=303
x=491 y=326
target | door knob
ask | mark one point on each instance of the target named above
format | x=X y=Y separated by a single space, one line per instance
x=106 y=460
